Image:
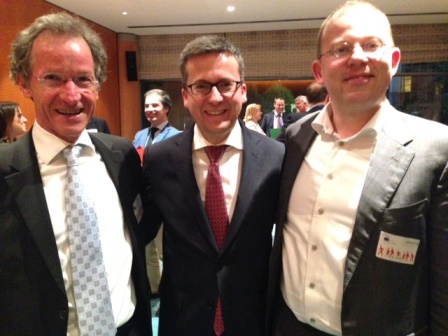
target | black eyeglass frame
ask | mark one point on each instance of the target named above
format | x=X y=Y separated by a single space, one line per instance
x=211 y=85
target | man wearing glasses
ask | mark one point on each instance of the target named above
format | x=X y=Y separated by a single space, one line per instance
x=361 y=245
x=70 y=261
x=218 y=213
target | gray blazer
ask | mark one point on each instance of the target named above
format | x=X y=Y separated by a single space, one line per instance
x=405 y=194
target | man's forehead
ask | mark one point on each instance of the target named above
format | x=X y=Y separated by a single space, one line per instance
x=361 y=21
x=211 y=59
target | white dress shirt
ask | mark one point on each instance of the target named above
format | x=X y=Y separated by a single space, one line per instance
x=320 y=219
x=250 y=124
x=115 y=241
x=230 y=165
x=278 y=120
x=159 y=130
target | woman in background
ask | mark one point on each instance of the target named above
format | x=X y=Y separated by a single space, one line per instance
x=12 y=122
x=253 y=115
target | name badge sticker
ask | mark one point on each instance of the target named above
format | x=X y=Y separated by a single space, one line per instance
x=397 y=248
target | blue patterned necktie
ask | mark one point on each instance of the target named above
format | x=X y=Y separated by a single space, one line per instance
x=92 y=296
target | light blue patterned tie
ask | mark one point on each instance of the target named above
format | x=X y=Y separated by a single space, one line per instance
x=92 y=296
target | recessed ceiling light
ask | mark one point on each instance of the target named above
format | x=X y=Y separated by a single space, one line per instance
x=124 y=13
x=230 y=8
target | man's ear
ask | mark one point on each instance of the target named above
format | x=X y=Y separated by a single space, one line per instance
x=185 y=97
x=396 y=56
x=317 y=71
x=24 y=86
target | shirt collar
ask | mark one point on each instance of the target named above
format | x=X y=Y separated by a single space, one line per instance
x=161 y=126
x=235 y=138
x=276 y=113
x=48 y=145
x=322 y=123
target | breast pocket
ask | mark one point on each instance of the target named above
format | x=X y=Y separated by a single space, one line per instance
x=407 y=221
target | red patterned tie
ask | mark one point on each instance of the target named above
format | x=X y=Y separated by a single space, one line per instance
x=215 y=207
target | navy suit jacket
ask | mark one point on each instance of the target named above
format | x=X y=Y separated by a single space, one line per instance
x=32 y=292
x=268 y=121
x=194 y=270
x=405 y=194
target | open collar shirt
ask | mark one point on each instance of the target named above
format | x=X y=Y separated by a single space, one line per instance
x=320 y=220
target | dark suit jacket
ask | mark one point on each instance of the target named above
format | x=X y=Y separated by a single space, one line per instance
x=194 y=270
x=405 y=194
x=32 y=293
x=98 y=125
x=268 y=121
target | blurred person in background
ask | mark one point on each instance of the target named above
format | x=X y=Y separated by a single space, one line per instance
x=252 y=117
x=12 y=122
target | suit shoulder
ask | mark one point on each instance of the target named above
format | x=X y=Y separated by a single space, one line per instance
x=6 y=154
x=173 y=130
x=165 y=145
x=274 y=145
x=270 y=147
x=142 y=131
x=117 y=142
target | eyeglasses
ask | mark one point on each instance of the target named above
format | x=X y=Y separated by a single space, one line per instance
x=342 y=49
x=56 y=81
x=202 y=89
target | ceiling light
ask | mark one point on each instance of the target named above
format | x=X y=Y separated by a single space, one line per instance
x=230 y=8
x=124 y=13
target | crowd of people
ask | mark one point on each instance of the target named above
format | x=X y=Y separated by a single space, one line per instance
x=356 y=191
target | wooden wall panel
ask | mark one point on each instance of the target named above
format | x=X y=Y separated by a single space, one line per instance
x=17 y=15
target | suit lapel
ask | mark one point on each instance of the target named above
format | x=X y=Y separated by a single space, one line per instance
x=296 y=148
x=163 y=134
x=112 y=158
x=388 y=165
x=181 y=158
x=27 y=189
x=252 y=161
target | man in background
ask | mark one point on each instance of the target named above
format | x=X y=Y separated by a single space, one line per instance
x=301 y=103
x=214 y=187
x=157 y=110
x=274 y=119
x=317 y=98
x=62 y=186
x=361 y=244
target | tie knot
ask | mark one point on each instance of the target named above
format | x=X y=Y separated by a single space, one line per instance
x=215 y=153
x=153 y=132
x=71 y=155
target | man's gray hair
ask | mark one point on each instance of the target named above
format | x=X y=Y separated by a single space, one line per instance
x=57 y=24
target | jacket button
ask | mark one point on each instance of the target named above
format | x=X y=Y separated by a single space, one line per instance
x=63 y=314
